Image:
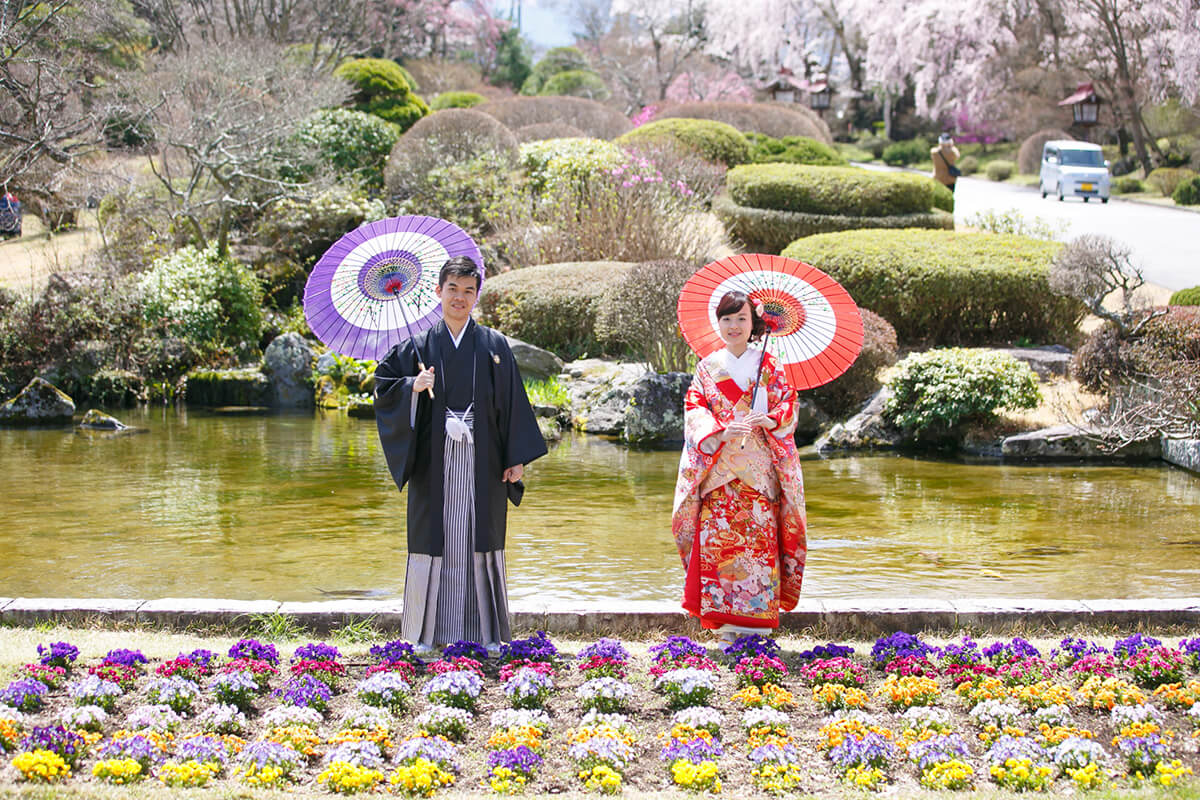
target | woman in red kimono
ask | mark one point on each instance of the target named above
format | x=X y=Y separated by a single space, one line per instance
x=739 y=502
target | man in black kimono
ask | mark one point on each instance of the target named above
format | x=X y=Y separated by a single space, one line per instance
x=462 y=454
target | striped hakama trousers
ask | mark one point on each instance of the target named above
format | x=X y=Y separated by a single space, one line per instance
x=462 y=594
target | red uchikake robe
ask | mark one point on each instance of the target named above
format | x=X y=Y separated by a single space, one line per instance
x=731 y=583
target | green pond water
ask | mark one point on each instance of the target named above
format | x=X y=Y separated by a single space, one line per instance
x=283 y=507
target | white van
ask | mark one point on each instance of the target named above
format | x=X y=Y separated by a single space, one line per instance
x=1074 y=169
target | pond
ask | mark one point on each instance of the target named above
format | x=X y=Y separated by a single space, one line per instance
x=292 y=507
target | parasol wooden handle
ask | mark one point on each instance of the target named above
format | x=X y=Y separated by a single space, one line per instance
x=421 y=364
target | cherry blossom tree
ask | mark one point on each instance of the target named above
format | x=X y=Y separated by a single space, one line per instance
x=709 y=85
x=672 y=31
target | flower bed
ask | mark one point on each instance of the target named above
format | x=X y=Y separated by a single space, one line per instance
x=752 y=718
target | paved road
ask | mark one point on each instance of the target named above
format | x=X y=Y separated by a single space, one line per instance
x=1165 y=241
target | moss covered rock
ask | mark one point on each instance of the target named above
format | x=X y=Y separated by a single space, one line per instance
x=227 y=387
x=39 y=403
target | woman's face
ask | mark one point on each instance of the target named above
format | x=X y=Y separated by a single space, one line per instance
x=735 y=328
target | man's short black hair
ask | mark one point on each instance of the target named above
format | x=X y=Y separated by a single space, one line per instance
x=460 y=267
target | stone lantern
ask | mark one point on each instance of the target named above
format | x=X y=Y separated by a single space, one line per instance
x=819 y=95
x=1085 y=105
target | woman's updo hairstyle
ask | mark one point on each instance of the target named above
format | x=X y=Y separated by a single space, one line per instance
x=732 y=302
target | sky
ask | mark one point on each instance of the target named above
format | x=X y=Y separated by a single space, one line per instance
x=544 y=24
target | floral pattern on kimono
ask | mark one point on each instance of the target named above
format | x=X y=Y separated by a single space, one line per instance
x=739 y=519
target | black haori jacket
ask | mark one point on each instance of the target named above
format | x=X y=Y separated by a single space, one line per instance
x=505 y=432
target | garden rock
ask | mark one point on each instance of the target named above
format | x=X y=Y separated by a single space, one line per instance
x=1071 y=443
x=866 y=430
x=361 y=407
x=534 y=362
x=626 y=400
x=227 y=387
x=1048 y=362
x=289 y=363
x=810 y=419
x=326 y=362
x=39 y=403
x=99 y=421
x=325 y=393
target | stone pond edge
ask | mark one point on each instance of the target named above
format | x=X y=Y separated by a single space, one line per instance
x=831 y=618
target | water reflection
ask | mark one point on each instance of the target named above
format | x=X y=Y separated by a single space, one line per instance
x=287 y=506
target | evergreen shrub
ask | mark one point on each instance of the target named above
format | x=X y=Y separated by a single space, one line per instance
x=1029 y=154
x=846 y=394
x=901 y=154
x=556 y=60
x=999 y=170
x=792 y=150
x=765 y=230
x=936 y=391
x=452 y=136
x=829 y=190
x=593 y=118
x=557 y=162
x=383 y=88
x=968 y=164
x=712 y=141
x=457 y=100
x=1186 y=297
x=553 y=306
x=351 y=142
x=1106 y=359
x=1127 y=184
x=943 y=198
x=947 y=288
x=1187 y=193
x=204 y=298
x=773 y=119
x=576 y=83
x=1164 y=180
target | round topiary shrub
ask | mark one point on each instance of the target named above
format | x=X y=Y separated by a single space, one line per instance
x=968 y=164
x=567 y=162
x=547 y=130
x=935 y=392
x=638 y=312
x=943 y=198
x=1127 y=184
x=352 y=142
x=999 y=170
x=446 y=137
x=556 y=60
x=576 y=83
x=1186 y=297
x=946 y=288
x=847 y=393
x=553 y=306
x=594 y=119
x=1029 y=155
x=1164 y=180
x=712 y=141
x=792 y=150
x=773 y=119
x=1187 y=193
x=203 y=298
x=828 y=190
x=383 y=88
x=901 y=154
x=457 y=100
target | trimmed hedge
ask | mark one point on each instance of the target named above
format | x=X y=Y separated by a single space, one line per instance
x=383 y=88
x=946 y=288
x=712 y=141
x=351 y=142
x=556 y=60
x=1165 y=179
x=829 y=190
x=1187 y=193
x=912 y=151
x=1127 y=184
x=443 y=138
x=553 y=306
x=594 y=119
x=792 y=150
x=767 y=231
x=846 y=394
x=576 y=83
x=968 y=164
x=457 y=100
x=541 y=131
x=773 y=119
x=999 y=170
x=1029 y=155
x=1186 y=297
x=943 y=198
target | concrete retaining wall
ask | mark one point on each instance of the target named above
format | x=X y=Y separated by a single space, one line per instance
x=1182 y=453
x=833 y=618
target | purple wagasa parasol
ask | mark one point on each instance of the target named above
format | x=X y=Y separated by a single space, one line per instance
x=374 y=287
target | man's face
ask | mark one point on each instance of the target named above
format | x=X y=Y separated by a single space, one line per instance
x=458 y=295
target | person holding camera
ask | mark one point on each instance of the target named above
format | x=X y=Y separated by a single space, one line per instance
x=945 y=156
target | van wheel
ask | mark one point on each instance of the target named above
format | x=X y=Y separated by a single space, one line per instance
x=1104 y=200
x=1042 y=186
x=1085 y=199
x=1060 y=194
